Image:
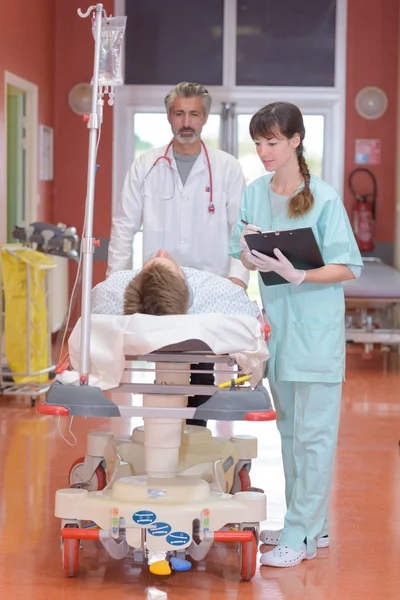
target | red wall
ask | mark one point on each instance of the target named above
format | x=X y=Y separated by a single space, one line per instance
x=74 y=59
x=27 y=50
x=48 y=44
x=372 y=60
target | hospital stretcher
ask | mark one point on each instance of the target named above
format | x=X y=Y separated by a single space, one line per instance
x=371 y=305
x=168 y=490
x=163 y=499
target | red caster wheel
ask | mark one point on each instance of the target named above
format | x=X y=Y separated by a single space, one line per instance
x=248 y=557
x=70 y=552
x=97 y=482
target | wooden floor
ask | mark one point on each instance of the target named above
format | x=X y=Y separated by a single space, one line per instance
x=362 y=562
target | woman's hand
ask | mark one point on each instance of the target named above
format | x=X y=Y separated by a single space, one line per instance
x=244 y=257
x=327 y=274
x=280 y=265
x=248 y=230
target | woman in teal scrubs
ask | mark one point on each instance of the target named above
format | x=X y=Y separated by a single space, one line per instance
x=307 y=345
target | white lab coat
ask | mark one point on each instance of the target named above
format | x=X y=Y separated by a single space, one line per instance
x=183 y=224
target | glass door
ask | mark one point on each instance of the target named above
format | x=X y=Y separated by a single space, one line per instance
x=152 y=130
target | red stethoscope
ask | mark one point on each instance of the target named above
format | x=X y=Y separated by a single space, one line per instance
x=211 y=208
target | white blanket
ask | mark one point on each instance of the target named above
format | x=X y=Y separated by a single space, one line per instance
x=114 y=337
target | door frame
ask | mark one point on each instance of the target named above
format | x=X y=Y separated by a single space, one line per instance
x=32 y=124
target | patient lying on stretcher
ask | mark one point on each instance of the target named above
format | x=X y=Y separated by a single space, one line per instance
x=162 y=287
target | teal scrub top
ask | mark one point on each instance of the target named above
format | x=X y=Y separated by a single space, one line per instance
x=307 y=340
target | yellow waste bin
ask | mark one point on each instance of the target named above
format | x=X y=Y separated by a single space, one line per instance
x=26 y=329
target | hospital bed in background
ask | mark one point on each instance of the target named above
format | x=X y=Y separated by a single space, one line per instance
x=167 y=490
x=372 y=304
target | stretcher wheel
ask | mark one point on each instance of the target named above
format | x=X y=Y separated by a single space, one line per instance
x=248 y=556
x=97 y=482
x=70 y=553
x=244 y=477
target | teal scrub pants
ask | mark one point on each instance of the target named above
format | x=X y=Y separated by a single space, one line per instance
x=308 y=421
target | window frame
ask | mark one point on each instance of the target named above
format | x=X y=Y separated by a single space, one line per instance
x=327 y=101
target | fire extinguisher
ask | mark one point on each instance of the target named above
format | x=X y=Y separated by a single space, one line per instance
x=364 y=212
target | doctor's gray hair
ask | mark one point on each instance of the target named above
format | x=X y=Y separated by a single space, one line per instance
x=189 y=90
x=283 y=119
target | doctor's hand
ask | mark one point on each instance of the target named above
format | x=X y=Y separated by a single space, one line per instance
x=248 y=230
x=280 y=265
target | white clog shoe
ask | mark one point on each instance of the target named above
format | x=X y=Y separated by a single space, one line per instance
x=283 y=556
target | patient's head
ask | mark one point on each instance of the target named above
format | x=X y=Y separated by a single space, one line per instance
x=159 y=289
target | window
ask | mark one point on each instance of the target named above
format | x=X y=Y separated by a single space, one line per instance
x=286 y=43
x=168 y=42
x=247 y=53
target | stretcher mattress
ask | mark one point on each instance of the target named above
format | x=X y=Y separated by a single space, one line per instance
x=113 y=338
x=377 y=280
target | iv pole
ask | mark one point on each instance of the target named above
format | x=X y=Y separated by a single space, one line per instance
x=88 y=242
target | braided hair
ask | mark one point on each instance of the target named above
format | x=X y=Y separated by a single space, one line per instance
x=285 y=119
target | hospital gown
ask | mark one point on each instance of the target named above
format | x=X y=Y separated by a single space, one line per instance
x=209 y=293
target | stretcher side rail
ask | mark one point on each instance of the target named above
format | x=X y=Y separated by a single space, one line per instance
x=193 y=349
x=184 y=357
x=224 y=405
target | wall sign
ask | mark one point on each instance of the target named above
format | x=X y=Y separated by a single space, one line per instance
x=46 y=152
x=368 y=152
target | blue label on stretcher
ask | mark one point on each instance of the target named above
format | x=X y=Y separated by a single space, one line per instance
x=144 y=517
x=159 y=529
x=178 y=538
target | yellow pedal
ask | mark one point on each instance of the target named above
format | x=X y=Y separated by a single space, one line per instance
x=236 y=381
x=160 y=568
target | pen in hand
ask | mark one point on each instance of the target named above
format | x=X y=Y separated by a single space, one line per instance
x=255 y=229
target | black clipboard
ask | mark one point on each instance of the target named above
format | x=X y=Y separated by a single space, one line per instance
x=298 y=245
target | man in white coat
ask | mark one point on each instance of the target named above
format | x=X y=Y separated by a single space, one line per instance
x=186 y=196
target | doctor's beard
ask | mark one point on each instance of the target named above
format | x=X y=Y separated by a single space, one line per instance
x=186 y=139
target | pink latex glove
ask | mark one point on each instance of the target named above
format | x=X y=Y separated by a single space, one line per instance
x=248 y=230
x=280 y=265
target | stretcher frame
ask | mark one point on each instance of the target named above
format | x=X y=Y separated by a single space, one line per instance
x=244 y=509
x=196 y=513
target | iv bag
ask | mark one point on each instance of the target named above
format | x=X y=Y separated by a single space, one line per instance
x=112 y=35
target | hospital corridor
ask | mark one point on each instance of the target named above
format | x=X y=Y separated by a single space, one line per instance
x=200 y=300
x=361 y=562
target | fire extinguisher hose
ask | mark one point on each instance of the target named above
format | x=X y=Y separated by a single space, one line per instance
x=372 y=196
